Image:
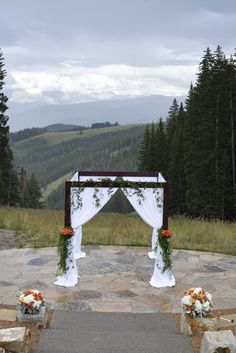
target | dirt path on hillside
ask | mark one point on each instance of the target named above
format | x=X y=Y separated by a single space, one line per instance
x=10 y=239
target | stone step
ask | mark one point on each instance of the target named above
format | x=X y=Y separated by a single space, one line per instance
x=94 y=332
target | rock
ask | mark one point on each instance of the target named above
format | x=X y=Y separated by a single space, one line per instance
x=219 y=341
x=190 y=326
x=16 y=340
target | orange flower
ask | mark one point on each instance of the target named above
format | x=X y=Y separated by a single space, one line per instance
x=166 y=233
x=66 y=232
x=38 y=297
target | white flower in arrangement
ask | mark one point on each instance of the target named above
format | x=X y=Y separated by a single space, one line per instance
x=197 y=290
x=198 y=306
x=209 y=296
x=196 y=302
x=206 y=306
x=30 y=301
x=186 y=300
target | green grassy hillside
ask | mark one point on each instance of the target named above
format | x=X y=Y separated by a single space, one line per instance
x=53 y=156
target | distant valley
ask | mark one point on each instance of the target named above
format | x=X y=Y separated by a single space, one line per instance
x=53 y=156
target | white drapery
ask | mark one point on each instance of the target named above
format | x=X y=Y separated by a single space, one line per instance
x=70 y=278
x=150 y=209
x=81 y=213
x=161 y=279
x=88 y=209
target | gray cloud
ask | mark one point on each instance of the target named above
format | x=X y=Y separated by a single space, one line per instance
x=49 y=35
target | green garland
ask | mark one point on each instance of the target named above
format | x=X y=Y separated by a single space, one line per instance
x=63 y=245
x=124 y=184
x=164 y=243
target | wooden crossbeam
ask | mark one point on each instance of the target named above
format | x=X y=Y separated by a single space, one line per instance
x=118 y=174
x=114 y=184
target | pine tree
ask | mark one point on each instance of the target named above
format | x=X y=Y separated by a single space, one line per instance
x=6 y=156
x=209 y=139
x=23 y=191
x=161 y=146
x=171 y=121
x=34 y=193
x=152 y=156
x=143 y=153
x=176 y=173
x=199 y=140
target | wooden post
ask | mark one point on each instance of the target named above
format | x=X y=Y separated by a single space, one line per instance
x=67 y=221
x=165 y=206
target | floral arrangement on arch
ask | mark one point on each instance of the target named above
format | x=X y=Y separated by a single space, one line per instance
x=197 y=302
x=164 y=236
x=63 y=248
x=30 y=301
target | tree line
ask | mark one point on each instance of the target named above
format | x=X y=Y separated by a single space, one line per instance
x=195 y=147
x=16 y=189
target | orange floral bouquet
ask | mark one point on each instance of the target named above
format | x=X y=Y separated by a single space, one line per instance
x=67 y=232
x=165 y=233
x=196 y=302
x=30 y=301
x=64 y=248
x=164 y=236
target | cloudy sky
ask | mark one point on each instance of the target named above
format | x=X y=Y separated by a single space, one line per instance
x=82 y=50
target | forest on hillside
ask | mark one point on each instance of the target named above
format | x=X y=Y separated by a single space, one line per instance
x=195 y=147
x=52 y=156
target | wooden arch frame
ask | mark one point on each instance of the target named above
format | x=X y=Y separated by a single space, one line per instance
x=115 y=184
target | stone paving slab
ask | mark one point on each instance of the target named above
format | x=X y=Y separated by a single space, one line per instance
x=116 y=279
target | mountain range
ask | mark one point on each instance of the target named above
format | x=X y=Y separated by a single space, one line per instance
x=144 y=109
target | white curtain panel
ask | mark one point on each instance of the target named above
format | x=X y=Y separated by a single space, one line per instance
x=148 y=210
x=80 y=216
x=88 y=209
x=161 y=279
x=70 y=278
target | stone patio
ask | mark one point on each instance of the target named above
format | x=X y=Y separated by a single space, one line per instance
x=116 y=279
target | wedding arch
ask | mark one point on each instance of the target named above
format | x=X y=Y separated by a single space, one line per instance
x=87 y=193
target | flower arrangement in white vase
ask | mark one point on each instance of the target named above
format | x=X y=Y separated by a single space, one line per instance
x=31 y=306
x=196 y=317
x=197 y=302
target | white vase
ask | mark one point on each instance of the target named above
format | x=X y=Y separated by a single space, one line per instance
x=40 y=317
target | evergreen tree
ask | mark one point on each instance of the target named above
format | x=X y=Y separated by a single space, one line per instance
x=6 y=156
x=171 y=121
x=209 y=139
x=13 y=197
x=200 y=143
x=34 y=193
x=152 y=150
x=161 y=149
x=143 y=152
x=176 y=173
x=23 y=191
